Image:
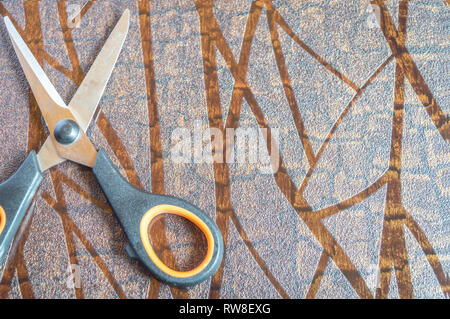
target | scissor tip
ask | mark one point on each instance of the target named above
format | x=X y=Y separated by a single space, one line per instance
x=8 y=23
x=125 y=17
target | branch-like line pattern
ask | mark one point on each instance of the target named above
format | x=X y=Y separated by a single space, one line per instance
x=393 y=250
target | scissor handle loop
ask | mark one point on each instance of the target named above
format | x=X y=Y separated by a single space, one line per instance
x=175 y=210
x=136 y=209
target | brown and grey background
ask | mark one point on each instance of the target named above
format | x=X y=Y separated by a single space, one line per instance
x=360 y=207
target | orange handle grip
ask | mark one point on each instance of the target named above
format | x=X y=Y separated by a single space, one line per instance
x=2 y=219
x=175 y=210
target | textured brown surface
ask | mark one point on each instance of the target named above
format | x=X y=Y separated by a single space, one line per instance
x=360 y=206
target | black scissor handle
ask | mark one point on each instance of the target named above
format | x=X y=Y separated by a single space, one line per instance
x=136 y=209
x=16 y=194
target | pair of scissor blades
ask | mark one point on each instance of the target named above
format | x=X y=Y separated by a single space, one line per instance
x=67 y=125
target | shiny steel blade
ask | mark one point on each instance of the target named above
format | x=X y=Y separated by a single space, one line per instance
x=86 y=99
x=42 y=88
x=48 y=155
x=50 y=103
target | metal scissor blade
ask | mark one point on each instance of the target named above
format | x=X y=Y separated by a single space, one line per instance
x=42 y=88
x=48 y=155
x=86 y=99
x=52 y=106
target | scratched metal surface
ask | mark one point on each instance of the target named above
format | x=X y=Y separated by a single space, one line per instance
x=360 y=206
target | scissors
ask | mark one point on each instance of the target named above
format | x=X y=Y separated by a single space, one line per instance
x=67 y=125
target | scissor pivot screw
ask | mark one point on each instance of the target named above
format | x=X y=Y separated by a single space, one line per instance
x=66 y=132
